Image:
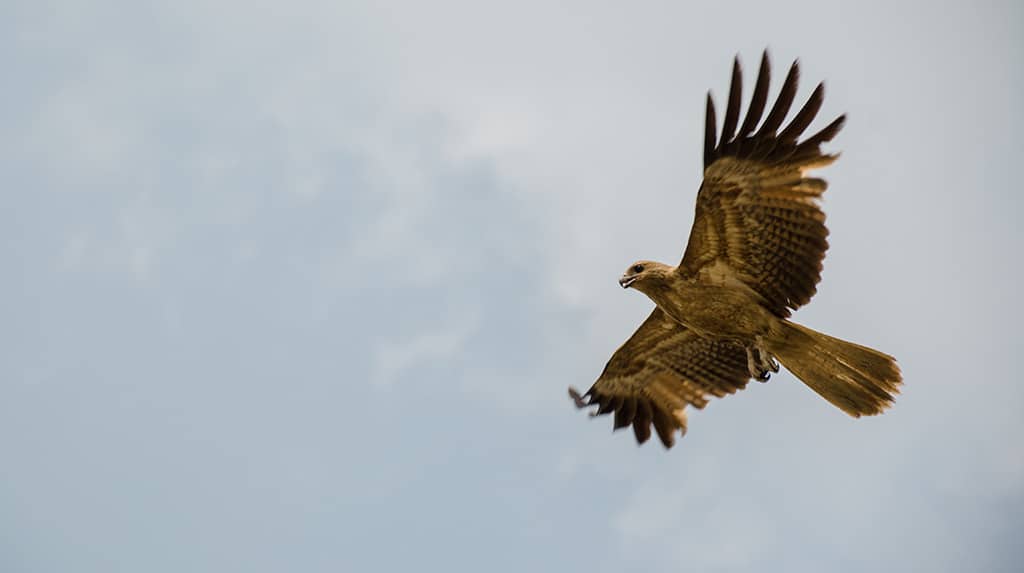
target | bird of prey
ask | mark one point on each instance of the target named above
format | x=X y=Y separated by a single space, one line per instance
x=754 y=255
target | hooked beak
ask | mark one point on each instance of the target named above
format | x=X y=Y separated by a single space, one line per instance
x=627 y=280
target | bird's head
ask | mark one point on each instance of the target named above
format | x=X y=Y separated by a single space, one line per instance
x=644 y=273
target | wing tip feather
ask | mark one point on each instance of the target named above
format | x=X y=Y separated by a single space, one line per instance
x=765 y=143
x=577 y=398
x=710 y=131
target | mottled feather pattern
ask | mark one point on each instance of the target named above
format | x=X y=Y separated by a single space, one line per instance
x=757 y=212
x=660 y=370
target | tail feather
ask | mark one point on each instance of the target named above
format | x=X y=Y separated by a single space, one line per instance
x=858 y=380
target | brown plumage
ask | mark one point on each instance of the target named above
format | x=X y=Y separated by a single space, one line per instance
x=754 y=255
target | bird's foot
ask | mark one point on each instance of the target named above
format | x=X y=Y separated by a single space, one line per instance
x=768 y=361
x=760 y=362
x=755 y=365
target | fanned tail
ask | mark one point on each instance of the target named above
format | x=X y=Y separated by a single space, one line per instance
x=858 y=380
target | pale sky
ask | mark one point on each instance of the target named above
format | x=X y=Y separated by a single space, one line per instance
x=300 y=287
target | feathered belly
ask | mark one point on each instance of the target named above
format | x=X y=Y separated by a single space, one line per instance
x=718 y=312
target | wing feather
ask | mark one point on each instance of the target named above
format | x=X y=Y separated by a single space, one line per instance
x=804 y=117
x=710 y=127
x=758 y=221
x=663 y=368
x=642 y=421
x=624 y=415
x=782 y=104
x=759 y=99
x=732 y=111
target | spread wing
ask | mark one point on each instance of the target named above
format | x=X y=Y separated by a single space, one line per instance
x=757 y=221
x=660 y=370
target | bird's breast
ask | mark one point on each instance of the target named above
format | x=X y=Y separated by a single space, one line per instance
x=715 y=311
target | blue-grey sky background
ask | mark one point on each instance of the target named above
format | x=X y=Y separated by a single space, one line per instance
x=300 y=286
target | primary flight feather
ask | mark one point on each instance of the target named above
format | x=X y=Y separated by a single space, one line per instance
x=754 y=255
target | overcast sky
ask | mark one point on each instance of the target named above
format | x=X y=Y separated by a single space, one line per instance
x=300 y=286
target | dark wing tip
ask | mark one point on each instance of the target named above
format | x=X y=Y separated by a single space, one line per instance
x=829 y=131
x=624 y=415
x=577 y=398
x=642 y=421
x=782 y=103
x=710 y=129
x=766 y=144
x=804 y=116
x=732 y=109
x=812 y=145
x=642 y=432
x=760 y=97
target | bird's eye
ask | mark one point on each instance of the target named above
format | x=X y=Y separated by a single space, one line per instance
x=638 y=269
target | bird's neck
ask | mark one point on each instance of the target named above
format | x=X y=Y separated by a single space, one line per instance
x=660 y=287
